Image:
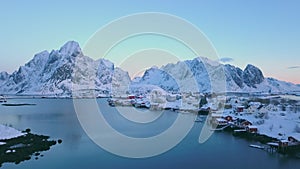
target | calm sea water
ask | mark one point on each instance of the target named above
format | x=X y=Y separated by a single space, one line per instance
x=57 y=118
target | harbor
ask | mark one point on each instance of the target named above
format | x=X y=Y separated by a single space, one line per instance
x=240 y=117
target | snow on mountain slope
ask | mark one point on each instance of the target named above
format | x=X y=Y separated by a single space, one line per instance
x=272 y=85
x=252 y=80
x=158 y=77
x=66 y=72
x=62 y=72
x=211 y=76
x=191 y=75
x=3 y=77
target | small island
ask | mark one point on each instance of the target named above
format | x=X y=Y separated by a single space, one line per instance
x=18 y=146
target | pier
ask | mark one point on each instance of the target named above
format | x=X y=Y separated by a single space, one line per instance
x=283 y=146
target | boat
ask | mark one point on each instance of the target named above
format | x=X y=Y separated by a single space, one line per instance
x=140 y=103
x=256 y=146
x=220 y=128
x=2 y=99
x=111 y=102
x=198 y=120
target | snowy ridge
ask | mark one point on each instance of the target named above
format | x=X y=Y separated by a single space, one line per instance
x=68 y=72
x=211 y=76
x=187 y=76
x=62 y=73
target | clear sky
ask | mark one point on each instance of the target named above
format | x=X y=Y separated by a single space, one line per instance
x=263 y=33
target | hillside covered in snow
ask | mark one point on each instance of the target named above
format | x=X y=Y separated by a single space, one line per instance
x=63 y=73
x=68 y=72
x=211 y=76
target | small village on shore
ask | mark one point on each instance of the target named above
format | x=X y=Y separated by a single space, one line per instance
x=271 y=120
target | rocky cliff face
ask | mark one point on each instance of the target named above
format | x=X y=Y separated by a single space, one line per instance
x=252 y=76
x=62 y=72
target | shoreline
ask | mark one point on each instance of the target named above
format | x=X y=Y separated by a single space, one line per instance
x=264 y=140
x=24 y=147
x=260 y=136
x=228 y=93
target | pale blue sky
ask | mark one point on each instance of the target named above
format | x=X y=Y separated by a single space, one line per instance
x=263 y=33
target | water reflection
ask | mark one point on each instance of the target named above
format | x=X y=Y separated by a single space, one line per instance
x=56 y=118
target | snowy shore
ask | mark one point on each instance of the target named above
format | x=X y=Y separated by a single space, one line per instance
x=274 y=116
x=9 y=133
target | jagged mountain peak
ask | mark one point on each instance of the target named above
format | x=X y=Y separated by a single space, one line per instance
x=63 y=71
x=71 y=48
x=203 y=71
x=41 y=54
x=106 y=63
x=38 y=59
x=251 y=67
x=252 y=76
x=208 y=61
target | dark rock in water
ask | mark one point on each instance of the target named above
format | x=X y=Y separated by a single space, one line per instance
x=27 y=130
x=33 y=145
x=59 y=141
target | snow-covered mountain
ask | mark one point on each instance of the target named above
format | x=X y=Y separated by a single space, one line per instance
x=212 y=76
x=189 y=75
x=62 y=72
x=67 y=72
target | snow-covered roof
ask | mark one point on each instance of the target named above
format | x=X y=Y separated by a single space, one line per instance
x=216 y=115
x=254 y=103
x=296 y=136
x=221 y=120
x=273 y=144
x=252 y=127
x=284 y=141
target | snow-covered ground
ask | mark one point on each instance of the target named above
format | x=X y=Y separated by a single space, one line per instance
x=8 y=133
x=271 y=120
x=276 y=124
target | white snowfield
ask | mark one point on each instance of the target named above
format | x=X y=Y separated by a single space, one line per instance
x=276 y=124
x=270 y=120
x=8 y=133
